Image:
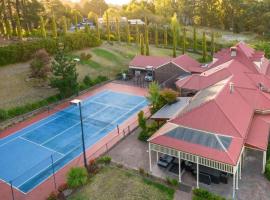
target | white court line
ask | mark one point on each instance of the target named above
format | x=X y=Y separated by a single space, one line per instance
x=60 y=133
x=39 y=172
x=71 y=159
x=42 y=124
x=33 y=128
x=79 y=145
x=41 y=146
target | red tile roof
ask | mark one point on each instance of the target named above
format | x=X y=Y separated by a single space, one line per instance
x=229 y=102
x=141 y=61
x=185 y=62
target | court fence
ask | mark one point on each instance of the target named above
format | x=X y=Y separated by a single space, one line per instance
x=56 y=170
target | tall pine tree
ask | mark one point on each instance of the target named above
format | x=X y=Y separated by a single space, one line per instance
x=156 y=35
x=146 y=38
x=128 y=33
x=137 y=34
x=65 y=76
x=118 y=29
x=108 y=27
x=204 y=48
x=142 y=48
x=54 y=27
x=184 y=41
x=212 y=43
x=64 y=21
x=165 y=37
x=42 y=28
x=194 y=39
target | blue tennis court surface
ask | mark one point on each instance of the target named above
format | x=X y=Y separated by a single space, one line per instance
x=26 y=155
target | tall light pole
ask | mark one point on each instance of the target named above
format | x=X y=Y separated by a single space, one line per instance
x=77 y=102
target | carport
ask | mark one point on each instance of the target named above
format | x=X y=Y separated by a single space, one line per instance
x=199 y=147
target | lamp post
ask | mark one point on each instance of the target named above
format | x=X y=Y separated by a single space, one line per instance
x=77 y=102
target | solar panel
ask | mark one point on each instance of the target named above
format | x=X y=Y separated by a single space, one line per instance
x=209 y=140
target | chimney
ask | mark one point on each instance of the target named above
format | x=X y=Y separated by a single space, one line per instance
x=233 y=51
x=231 y=87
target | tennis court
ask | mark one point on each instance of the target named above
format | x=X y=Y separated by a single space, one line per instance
x=27 y=155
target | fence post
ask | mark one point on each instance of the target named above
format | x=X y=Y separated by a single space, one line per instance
x=117 y=129
x=55 y=186
x=12 y=191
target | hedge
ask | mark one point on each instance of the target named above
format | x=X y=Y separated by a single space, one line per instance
x=20 y=110
x=202 y=194
x=23 y=51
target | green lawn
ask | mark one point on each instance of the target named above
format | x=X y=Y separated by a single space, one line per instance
x=109 y=60
x=113 y=183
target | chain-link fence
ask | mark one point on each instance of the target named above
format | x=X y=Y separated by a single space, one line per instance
x=51 y=172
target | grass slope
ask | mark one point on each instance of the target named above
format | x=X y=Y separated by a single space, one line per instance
x=120 y=184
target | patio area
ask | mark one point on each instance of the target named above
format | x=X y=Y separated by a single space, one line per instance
x=133 y=153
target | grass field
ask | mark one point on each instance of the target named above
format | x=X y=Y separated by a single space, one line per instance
x=107 y=60
x=120 y=184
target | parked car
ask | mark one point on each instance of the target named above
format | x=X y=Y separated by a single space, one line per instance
x=148 y=76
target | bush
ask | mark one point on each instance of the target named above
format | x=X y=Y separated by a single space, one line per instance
x=62 y=187
x=142 y=171
x=104 y=160
x=201 y=194
x=267 y=170
x=3 y=115
x=92 y=167
x=85 y=56
x=169 y=95
x=172 y=181
x=142 y=120
x=53 y=196
x=77 y=177
x=13 y=112
x=40 y=66
x=87 y=81
x=146 y=133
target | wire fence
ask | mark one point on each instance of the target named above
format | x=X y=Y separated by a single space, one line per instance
x=51 y=172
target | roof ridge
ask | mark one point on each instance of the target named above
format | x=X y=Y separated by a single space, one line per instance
x=228 y=118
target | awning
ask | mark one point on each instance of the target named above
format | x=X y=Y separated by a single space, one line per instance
x=259 y=132
x=171 y=110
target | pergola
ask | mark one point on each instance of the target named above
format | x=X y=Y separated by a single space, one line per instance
x=162 y=148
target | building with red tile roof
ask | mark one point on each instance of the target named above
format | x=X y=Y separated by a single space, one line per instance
x=229 y=113
x=165 y=69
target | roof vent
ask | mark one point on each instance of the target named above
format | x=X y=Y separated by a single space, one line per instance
x=231 y=87
x=233 y=51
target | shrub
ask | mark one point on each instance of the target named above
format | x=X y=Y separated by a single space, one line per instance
x=40 y=66
x=142 y=120
x=53 y=196
x=143 y=136
x=3 y=115
x=202 y=194
x=85 y=56
x=172 y=181
x=87 y=80
x=77 y=177
x=62 y=187
x=105 y=160
x=169 y=95
x=267 y=170
x=92 y=167
x=141 y=171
